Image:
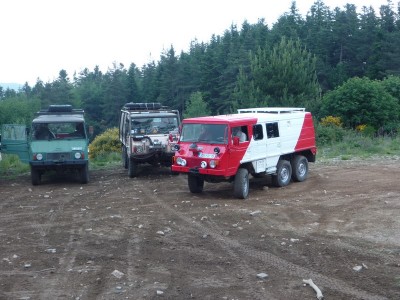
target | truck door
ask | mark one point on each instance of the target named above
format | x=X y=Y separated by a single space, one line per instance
x=256 y=152
x=14 y=140
x=238 y=148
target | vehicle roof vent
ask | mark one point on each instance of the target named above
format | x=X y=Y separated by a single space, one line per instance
x=143 y=106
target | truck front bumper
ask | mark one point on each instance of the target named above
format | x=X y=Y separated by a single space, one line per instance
x=58 y=164
x=198 y=171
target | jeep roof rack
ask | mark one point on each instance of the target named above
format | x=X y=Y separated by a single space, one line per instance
x=272 y=110
x=143 y=106
x=60 y=109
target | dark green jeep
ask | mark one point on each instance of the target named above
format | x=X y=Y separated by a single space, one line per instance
x=57 y=140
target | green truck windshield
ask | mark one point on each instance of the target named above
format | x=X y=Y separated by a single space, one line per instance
x=59 y=130
x=154 y=125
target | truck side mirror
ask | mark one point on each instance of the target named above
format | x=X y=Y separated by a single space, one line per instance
x=91 y=130
x=235 y=140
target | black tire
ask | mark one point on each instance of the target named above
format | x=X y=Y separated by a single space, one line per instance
x=84 y=174
x=132 y=168
x=195 y=183
x=283 y=174
x=125 y=160
x=35 y=176
x=241 y=184
x=299 y=168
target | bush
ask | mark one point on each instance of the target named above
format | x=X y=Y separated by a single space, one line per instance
x=331 y=121
x=104 y=143
x=326 y=135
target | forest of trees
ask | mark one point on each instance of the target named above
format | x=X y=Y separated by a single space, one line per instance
x=339 y=62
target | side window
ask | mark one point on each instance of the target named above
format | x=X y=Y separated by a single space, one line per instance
x=14 y=132
x=272 y=130
x=121 y=123
x=246 y=133
x=258 y=132
x=126 y=125
x=241 y=133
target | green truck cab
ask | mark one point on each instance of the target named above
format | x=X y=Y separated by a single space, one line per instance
x=57 y=140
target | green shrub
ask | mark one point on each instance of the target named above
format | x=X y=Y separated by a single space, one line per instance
x=104 y=143
x=369 y=131
x=331 y=121
x=326 y=135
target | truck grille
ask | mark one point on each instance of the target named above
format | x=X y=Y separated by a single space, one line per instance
x=58 y=156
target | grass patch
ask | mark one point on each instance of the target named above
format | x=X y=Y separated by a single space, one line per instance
x=11 y=166
x=356 y=145
x=105 y=161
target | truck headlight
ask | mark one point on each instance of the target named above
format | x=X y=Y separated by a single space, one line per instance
x=181 y=161
x=203 y=164
x=39 y=156
x=78 y=155
x=139 y=149
x=213 y=164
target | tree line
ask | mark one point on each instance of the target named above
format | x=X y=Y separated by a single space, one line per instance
x=332 y=62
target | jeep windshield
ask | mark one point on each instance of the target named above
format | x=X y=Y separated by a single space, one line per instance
x=154 y=125
x=58 y=130
x=205 y=133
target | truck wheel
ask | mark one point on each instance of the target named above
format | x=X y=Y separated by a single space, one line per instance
x=84 y=173
x=241 y=184
x=125 y=160
x=132 y=168
x=283 y=174
x=300 y=168
x=35 y=176
x=195 y=183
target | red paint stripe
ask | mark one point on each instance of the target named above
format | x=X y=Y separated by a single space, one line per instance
x=307 y=135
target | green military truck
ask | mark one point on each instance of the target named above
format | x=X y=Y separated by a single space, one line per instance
x=57 y=141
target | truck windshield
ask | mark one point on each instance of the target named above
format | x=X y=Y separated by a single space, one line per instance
x=59 y=130
x=154 y=125
x=206 y=133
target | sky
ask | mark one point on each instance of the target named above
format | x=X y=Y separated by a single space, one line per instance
x=41 y=37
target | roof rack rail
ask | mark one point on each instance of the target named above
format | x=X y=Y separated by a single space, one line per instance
x=132 y=106
x=272 y=110
x=61 y=109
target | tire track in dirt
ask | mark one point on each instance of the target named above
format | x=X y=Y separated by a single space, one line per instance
x=244 y=268
x=238 y=251
x=52 y=281
x=65 y=271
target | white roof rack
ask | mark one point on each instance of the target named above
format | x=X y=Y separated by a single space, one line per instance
x=271 y=110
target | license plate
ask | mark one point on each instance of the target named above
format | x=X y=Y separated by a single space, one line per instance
x=206 y=155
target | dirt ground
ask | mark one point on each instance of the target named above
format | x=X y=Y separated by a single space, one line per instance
x=150 y=238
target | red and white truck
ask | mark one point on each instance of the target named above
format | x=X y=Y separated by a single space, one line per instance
x=274 y=141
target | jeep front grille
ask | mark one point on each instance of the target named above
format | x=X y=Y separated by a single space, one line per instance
x=59 y=156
